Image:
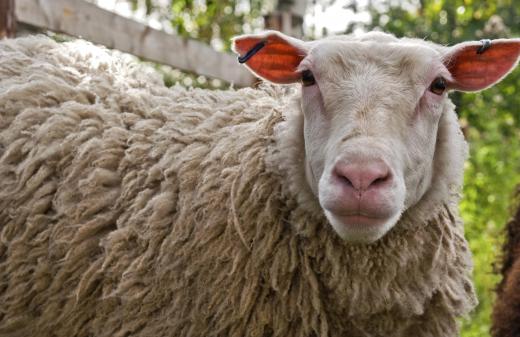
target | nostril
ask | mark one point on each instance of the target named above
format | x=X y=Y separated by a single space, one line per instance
x=376 y=176
x=345 y=180
x=380 y=180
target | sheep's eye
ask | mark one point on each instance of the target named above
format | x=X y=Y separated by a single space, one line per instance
x=308 y=78
x=438 y=86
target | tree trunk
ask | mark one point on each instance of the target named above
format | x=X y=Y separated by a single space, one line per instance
x=7 y=19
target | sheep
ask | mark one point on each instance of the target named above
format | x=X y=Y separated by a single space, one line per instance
x=506 y=313
x=322 y=209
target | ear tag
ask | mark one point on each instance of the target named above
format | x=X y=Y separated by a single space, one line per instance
x=486 y=44
x=251 y=52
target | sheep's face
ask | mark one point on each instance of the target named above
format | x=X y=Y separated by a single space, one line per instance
x=372 y=107
x=371 y=116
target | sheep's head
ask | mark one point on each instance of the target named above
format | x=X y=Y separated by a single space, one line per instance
x=373 y=107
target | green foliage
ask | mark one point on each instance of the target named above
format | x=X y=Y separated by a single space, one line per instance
x=491 y=121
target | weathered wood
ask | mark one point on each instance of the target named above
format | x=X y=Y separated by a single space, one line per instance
x=7 y=19
x=86 y=20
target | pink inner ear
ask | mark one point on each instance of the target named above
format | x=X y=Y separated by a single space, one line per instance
x=277 y=61
x=472 y=71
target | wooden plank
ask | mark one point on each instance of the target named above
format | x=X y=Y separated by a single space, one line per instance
x=86 y=20
x=7 y=19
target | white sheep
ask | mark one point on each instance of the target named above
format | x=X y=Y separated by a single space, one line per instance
x=131 y=209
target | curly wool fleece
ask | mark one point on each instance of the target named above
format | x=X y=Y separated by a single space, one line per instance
x=131 y=209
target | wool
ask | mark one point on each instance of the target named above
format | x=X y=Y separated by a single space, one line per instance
x=506 y=313
x=132 y=209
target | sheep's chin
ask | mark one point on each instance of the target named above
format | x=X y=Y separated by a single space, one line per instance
x=361 y=233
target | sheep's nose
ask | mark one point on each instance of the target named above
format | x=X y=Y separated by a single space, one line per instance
x=363 y=176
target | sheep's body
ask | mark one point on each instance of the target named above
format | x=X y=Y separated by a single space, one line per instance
x=127 y=208
x=506 y=313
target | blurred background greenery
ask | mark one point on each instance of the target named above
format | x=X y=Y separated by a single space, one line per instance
x=490 y=119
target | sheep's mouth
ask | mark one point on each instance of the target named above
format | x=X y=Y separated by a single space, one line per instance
x=354 y=216
x=361 y=220
x=360 y=227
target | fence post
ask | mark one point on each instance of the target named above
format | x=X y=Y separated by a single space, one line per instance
x=287 y=17
x=7 y=19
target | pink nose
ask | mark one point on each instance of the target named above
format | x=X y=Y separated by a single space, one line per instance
x=364 y=176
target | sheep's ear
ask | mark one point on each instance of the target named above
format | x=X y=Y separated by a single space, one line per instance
x=271 y=55
x=477 y=65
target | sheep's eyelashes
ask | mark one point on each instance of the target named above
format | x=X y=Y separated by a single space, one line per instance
x=438 y=86
x=308 y=78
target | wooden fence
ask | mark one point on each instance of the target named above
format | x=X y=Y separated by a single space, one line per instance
x=86 y=20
